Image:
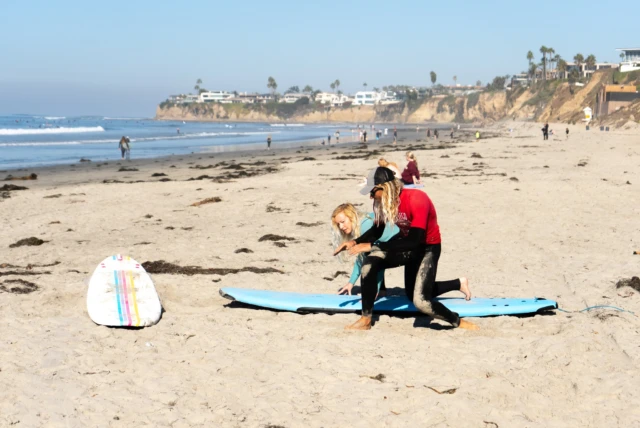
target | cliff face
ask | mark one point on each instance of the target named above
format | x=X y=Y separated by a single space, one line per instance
x=545 y=101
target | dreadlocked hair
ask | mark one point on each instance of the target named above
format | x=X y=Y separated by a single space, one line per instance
x=386 y=210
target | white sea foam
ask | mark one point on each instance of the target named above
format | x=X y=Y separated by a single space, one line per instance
x=54 y=117
x=44 y=131
x=287 y=124
x=134 y=140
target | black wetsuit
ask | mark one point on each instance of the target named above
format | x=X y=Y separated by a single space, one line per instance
x=421 y=264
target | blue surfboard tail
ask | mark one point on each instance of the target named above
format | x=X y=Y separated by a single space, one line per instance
x=334 y=303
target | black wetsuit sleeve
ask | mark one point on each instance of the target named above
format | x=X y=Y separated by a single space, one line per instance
x=413 y=240
x=371 y=235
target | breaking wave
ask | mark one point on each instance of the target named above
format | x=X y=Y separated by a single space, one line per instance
x=44 y=131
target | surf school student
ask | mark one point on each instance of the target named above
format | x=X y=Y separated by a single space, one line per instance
x=417 y=247
x=348 y=224
x=411 y=174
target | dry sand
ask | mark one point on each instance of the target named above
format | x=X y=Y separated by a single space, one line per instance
x=523 y=220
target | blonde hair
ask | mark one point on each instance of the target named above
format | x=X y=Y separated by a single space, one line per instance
x=339 y=237
x=386 y=210
x=411 y=156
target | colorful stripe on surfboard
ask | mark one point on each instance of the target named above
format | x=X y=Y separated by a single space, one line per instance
x=125 y=292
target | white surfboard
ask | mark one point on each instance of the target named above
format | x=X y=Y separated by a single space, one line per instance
x=121 y=294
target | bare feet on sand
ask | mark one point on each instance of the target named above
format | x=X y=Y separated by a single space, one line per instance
x=468 y=325
x=364 y=323
x=464 y=287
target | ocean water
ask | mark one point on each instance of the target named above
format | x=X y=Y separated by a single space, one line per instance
x=29 y=140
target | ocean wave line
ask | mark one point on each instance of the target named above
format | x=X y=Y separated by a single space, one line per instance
x=44 y=131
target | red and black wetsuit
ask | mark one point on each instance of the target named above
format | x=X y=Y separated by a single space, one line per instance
x=417 y=247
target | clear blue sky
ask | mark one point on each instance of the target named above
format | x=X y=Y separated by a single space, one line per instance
x=120 y=58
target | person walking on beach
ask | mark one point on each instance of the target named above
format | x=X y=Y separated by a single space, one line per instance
x=395 y=135
x=435 y=134
x=124 y=147
x=338 y=137
x=329 y=138
x=567 y=133
x=545 y=131
x=417 y=247
x=269 y=142
x=364 y=136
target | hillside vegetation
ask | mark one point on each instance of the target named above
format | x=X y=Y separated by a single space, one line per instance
x=556 y=100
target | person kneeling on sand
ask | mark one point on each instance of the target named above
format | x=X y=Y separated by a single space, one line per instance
x=349 y=224
x=417 y=247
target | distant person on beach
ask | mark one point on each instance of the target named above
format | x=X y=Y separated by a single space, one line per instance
x=364 y=136
x=545 y=131
x=567 y=132
x=178 y=130
x=329 y=138
x=386 y=131
x=395 y=135
x=269 y=142
x=337 y=137
x=349 y=224
x=428 y=132
x=124 y=147
x=477 y=135
x=435 y=134
x=417 y=247
x=411 y=174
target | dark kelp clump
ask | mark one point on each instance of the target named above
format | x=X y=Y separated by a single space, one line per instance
x=33 y=241
x=18 y=286
x=272 y=237
x=161 y=266
x=633 y=282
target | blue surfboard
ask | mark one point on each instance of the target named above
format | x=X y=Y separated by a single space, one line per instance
x=334 y=303
x=413 y=186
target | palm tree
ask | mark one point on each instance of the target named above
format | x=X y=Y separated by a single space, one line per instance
x=197 y=87
x=434 y=77
x=551 y=51
x=530 y=59
x=271 y=84
x=621 y=56
x=478 y=83
x=543 y=51
x=337 y=82
x=533 y=69
x=590 y=61
x=579 y=59
x=557 y=59
x=365 y=85
x=333 y=86
x=455 y=79
x=308 y=89
x=376 y=89
x=562 y=66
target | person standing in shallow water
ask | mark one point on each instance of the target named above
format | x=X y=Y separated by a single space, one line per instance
x=269 y=142
x=417 y=247
x=124 y=147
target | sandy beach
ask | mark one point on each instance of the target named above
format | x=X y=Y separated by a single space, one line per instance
x=519 y=216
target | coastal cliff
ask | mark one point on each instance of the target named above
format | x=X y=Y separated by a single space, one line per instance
x=557 y=101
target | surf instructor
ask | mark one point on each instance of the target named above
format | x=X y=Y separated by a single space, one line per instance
x=417 y=247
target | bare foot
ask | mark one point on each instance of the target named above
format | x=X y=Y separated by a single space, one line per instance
x=468 y=325
x=464 y=288
x=364 y=323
